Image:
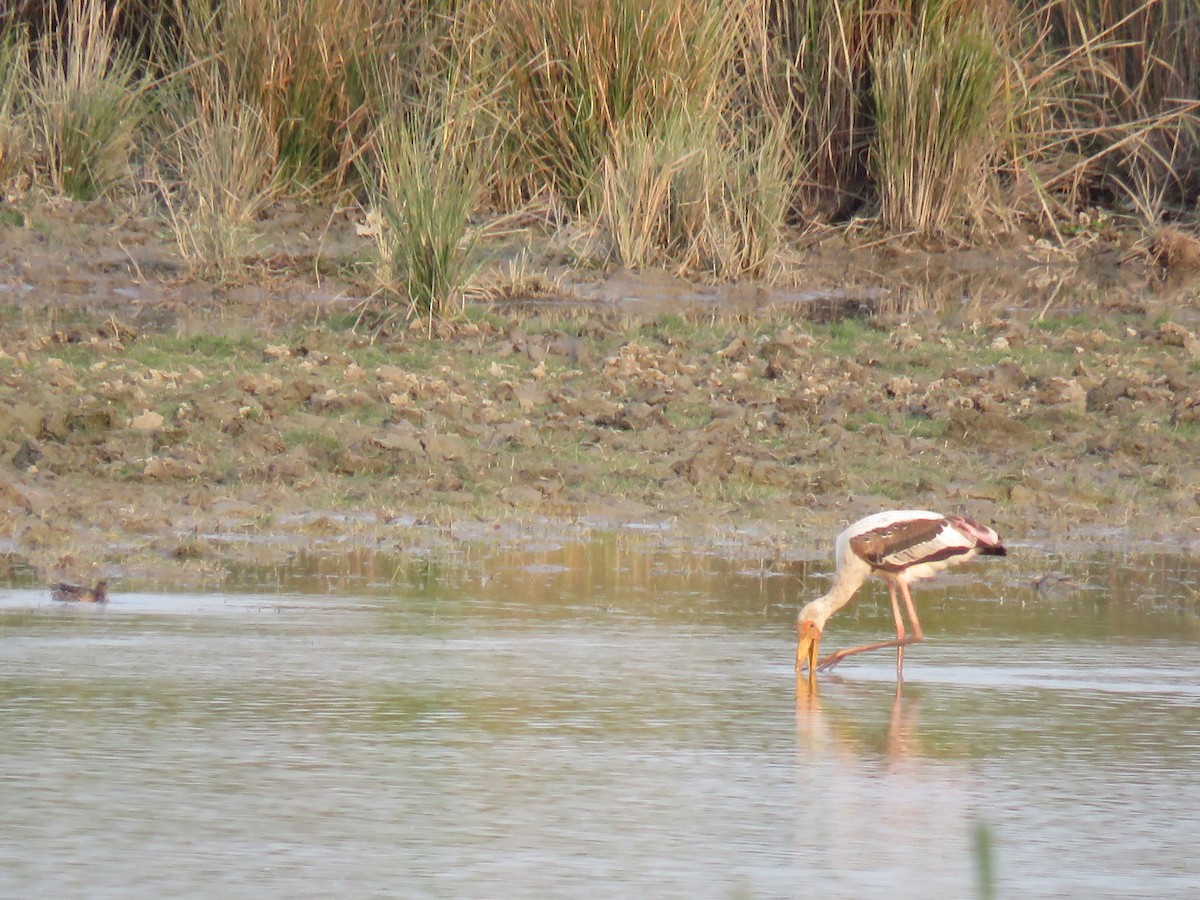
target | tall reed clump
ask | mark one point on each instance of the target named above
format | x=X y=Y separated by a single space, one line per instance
x=578 y=73
x=224 y=162
x=424 y=179
x=14 y=86
x=302 y=64
x=694 y=195
x=813 y=77
x=939 y=115
x=1133 y=72
x=655 y=191
x=759 y=182
x=87 y=102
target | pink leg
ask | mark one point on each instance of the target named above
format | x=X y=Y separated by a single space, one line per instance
x=899 y=643
x=899 y=630
x=912 y=612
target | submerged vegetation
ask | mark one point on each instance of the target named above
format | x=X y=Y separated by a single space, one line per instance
x=704 y=137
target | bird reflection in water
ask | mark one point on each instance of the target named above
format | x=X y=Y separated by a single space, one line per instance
x=821 y=733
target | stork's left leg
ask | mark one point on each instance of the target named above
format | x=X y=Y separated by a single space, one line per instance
x=918 y=635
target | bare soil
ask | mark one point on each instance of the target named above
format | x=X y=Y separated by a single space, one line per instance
x=155 y=427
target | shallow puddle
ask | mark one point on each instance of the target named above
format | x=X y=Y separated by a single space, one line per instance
x=605 y=718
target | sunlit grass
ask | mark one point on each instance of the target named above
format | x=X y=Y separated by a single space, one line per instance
x=700 y=137
x=938 y=97
x=580 y=73
x=302 y=66
x=654 y=192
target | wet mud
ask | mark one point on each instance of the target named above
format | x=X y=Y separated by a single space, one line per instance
x=157 y=427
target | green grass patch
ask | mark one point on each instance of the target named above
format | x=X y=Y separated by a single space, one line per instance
x=925 y=427
x=1059 y=324
x=165 y=352
x=311 y=438
x=843 y=336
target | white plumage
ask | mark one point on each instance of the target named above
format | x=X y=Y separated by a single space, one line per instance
x=900 y=546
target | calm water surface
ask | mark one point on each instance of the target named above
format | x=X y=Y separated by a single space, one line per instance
x=602 y=720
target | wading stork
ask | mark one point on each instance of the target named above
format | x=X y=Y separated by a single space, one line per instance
x=901 y=546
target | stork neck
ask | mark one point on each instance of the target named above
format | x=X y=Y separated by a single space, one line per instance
x=839 y=595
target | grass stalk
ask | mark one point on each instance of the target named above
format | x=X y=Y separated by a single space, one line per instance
x=653 y=191
x=815 y=73
x=759 y=179
x=305 y=66
x=581 y=74
x=14 y=87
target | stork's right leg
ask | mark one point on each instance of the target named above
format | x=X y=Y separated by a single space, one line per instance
x=899 y=630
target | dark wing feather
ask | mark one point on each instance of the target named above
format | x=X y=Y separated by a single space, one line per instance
x=899 y=545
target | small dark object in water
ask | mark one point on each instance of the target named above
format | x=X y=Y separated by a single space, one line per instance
x=1053 y=583
x=70 y=593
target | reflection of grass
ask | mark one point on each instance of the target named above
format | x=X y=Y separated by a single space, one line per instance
x=985 y=866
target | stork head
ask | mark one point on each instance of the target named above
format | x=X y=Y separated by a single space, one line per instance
x=808 y=635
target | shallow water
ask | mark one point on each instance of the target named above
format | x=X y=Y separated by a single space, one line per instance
x=604 y=719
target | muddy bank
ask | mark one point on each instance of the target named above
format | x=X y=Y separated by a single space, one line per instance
x=155 y=427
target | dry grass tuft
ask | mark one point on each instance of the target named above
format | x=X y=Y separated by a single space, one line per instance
x=1176 y=249
x=14 y=91
x=305 y=66
x=87 y=102
x=424 y=180
x=224 y=156
x=580 y=74
x=939 y=115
